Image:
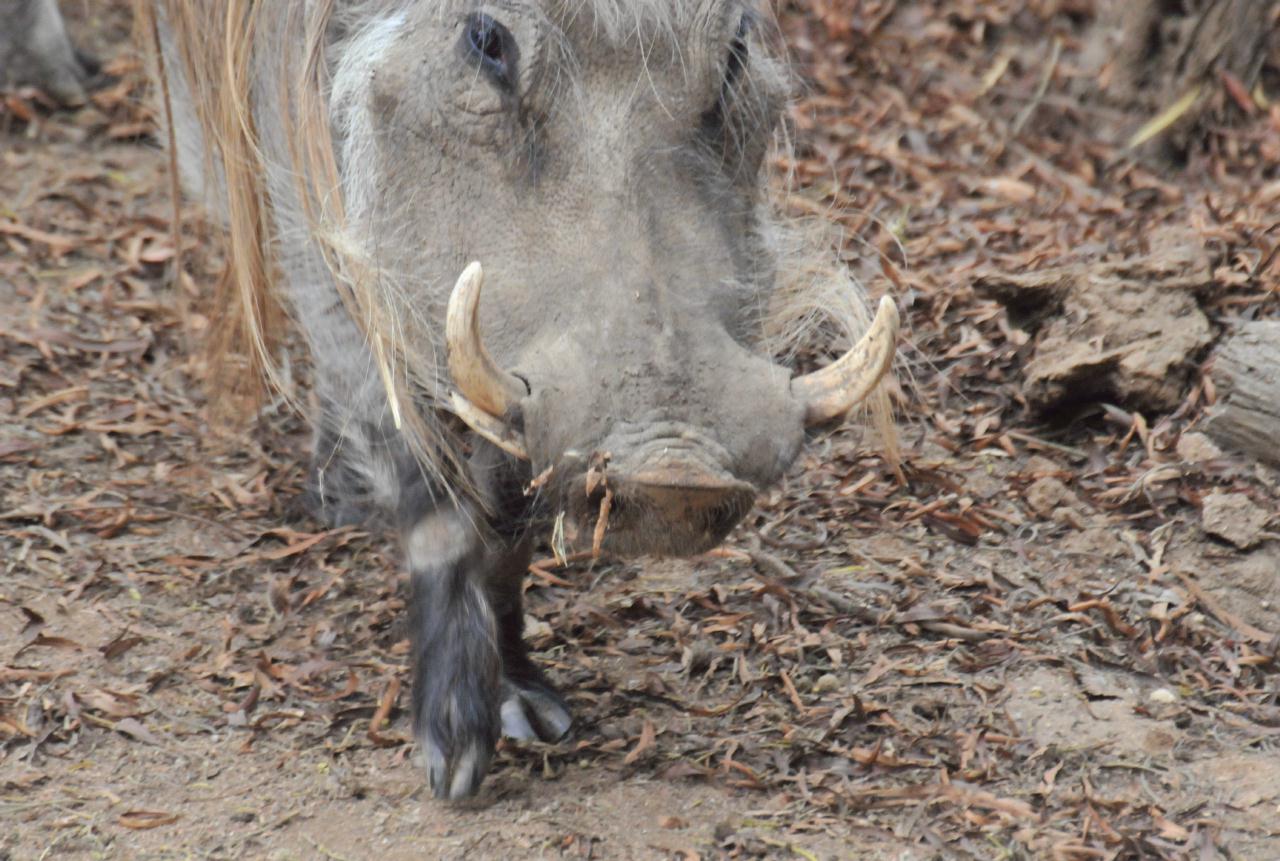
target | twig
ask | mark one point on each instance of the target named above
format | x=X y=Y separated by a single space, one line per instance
x=1045 y=80
x=772 y=565
x=955 y=632
x=1033 y=440
x=389 y=696
x=175 y=193
x=844 y=605
x=779 y=570
x=602 y=523
x=1222 y=614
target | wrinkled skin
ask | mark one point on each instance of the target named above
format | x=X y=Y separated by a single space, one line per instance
x=603 y=159
x=35 y=50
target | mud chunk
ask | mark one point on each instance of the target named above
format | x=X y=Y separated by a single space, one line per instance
x=1039 y=466
x=1233 y=517
x=1197 y=448
x=1068 y=516
x=1048 y=494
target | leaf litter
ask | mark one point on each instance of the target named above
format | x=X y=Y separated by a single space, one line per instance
x=1025 y=647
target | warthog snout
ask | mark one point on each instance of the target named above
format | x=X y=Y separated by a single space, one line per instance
x=667 y=495
x=682 y=470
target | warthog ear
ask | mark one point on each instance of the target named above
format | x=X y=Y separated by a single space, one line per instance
x=834 y=390
x=738 y=50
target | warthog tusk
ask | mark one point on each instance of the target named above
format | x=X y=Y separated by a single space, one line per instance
x=842 y=385
x=476 y=375
x=492 y=429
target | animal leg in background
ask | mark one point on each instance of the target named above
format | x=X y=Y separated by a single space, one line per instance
x=35 y=49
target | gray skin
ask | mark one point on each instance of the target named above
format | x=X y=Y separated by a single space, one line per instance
x=35 y=50
x=603 y=159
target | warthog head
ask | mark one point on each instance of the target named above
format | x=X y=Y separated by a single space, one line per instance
x=604 y=167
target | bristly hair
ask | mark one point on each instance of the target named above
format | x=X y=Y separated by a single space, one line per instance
x=818 y=308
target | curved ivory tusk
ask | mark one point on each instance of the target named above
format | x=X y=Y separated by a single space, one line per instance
x=476 y=375
x=834 y=390
x=492 y=429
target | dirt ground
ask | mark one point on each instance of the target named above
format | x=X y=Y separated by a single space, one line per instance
x=1054 y=638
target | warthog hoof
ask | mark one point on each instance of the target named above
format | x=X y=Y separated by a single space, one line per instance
x=530 y=710
x=533 y=711
x=67 y=79
x=453 y=778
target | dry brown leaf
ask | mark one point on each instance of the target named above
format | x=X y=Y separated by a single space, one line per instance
x=648 y=735
x=1009 y=189
x=143 y=820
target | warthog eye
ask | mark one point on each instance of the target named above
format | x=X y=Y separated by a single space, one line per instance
x=492 y=46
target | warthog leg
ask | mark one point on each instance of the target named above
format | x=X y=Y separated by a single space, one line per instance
x=473 y=679
x=457 y=665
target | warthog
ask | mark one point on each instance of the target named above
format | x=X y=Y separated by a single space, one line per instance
x=34 y=49
x=618 y=372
